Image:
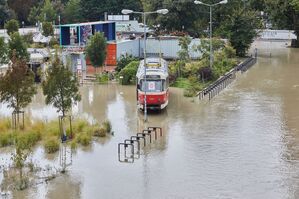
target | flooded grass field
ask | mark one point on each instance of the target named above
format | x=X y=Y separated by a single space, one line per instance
x=242 y=144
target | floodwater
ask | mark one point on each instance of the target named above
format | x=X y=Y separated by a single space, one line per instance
x=242 y=144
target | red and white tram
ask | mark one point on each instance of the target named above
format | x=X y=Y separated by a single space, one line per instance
x=154 y=86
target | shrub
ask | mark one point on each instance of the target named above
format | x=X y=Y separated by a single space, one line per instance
x=27 y=140
x=38 y=126
x=28 y=38
x=129 y=73
x=84 y=139
x=38 y=45
x=11 y=26
x=33 y=138
x=6 y=139
x=193 y=87
x=206 y=73
x=107 y=126
x=124 y=61
x=48 y=29
x=80 y=126
x=5 y=124
x=100 y=132
x=52 y=129
x=103 y=78
x=229 y=51
x=73 y=144
x=181 y=83
x=51 y=145
x=53 y=42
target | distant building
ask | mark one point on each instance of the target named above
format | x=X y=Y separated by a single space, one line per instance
x=77 y=35
x=126 y=27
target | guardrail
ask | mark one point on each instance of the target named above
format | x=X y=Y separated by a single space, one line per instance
x=129 y=150
x=216 y=87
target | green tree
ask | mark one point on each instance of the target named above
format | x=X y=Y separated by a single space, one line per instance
x=123 y=61
x=48 y=29
x=72 y=12
x=48 y=12
x=183 y=54
x=295 y=4
x=5 y=12
x=182 y=16
x=284 y=15
x=61 y=87
x=12 y=26
x=184 y=43
x=21 y=8
x=34 y=14
x=94 y=13
x=23 y=150
x=3 y=51
x=204 y=47
x=18 y=46
x=17 y=86
x=240 y=28
x=96 y=49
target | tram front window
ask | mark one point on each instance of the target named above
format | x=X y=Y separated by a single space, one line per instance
x=152 y=85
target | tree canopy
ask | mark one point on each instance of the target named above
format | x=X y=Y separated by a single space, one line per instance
x=96 y=49
x=72 y=12
x=17 y=46
x=61 y=87
x=5 y=12
x=48 y=29
x=11 y=26
x=17 y=86
x=240 y=29
x=284 y=14
x=3 y=51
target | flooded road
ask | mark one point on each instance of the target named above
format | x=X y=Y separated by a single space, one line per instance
x=242 y=144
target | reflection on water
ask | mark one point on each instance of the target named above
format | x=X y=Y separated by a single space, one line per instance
x=243 y=144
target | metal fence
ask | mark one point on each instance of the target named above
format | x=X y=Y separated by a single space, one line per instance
x=215 y=88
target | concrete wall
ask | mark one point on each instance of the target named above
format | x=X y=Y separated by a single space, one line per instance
x=169 y=47
x=130 y=47
x=277 y=34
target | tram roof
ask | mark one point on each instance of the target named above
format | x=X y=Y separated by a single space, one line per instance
x=153 y=64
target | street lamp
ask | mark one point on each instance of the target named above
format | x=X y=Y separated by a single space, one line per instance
x=211 y=5
x=144 y=14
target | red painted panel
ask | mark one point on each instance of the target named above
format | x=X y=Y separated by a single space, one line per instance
x=111 y=46
x=153 y=98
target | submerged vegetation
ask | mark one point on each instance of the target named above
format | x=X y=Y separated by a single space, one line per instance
x=49 y=134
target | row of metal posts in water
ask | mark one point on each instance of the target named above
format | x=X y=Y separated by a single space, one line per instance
x=129 y=150
x=215 y=88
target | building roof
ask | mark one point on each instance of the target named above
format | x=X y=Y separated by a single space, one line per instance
x=85 y=23
x=153 y=64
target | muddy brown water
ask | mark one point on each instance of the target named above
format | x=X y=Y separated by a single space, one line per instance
x=242 y=144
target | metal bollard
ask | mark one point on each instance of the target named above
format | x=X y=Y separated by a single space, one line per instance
x=155 y=128
x=126 y=158
x=145 y=135
x=138 y=147
x=138 y=138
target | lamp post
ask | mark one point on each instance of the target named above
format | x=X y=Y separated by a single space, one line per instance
x=211 y=6
x=144 y=14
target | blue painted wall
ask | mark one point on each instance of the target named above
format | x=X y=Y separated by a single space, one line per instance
x=86 y=31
